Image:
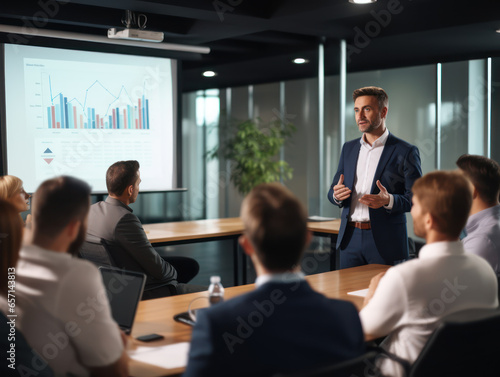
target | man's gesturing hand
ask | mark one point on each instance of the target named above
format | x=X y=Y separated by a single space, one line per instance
x=376 y=201
x=341 y=192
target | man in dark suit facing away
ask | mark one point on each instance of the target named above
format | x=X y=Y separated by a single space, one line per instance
x=113 y=221
x=373 y=187
x=283 y=325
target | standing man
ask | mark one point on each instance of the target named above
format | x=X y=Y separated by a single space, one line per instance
x=373 y=186
x=483 y=225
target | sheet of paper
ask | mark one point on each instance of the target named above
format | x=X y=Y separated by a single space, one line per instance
x=360 y=293
x=320 y=218
x=168 y=357
x=157 y=233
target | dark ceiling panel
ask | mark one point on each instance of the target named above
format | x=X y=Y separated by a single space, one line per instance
x=253 y=41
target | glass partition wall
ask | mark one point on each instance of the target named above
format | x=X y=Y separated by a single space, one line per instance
x=445 y=109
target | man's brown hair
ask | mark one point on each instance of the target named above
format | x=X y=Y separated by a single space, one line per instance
x=484 y=174
x=11 y=235
x=120 y=175
x=379 y=93
x=57 y=202
x=276 y=225
x=447 y=196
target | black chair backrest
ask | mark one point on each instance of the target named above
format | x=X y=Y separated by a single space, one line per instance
x=498 y=291
x=464 y=344
x=94 y=250
x=414 y=247
x=103 y=253
x=360 y=366
x=123 y=259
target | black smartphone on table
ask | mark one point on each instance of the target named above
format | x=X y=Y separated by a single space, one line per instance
x=150 y=337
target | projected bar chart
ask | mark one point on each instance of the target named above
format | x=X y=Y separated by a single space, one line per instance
x=72 y=114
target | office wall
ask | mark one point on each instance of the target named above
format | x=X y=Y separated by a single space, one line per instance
x=462 y=120
x=412 y=117
x=412 y=98
x=495 y=108
x=412 y=113
x=301 y=107
x=464 y=111
x=454 y=112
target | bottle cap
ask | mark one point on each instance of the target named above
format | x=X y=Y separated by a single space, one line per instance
x=215 y=279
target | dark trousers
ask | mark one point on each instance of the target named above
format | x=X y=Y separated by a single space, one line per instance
x=358 y=248
x=187 y=269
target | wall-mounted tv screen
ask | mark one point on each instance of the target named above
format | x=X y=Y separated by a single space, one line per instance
x=70 y=112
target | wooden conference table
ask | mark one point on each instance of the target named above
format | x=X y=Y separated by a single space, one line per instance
x=183 y=232
x=156 y=316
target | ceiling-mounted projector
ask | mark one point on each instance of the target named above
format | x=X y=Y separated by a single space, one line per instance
x=135 y=35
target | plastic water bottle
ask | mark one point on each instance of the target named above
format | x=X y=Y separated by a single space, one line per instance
x=215 y=291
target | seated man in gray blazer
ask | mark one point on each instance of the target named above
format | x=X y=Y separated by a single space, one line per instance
x=112 y=220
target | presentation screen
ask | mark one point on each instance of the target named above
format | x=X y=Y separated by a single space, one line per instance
x=75 y=113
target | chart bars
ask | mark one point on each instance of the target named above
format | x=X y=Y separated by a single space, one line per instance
x=64 y=114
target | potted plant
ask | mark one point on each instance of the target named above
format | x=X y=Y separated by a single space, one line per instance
x=253 y=149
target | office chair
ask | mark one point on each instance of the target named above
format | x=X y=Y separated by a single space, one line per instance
x=94 y=250
x=414 y=247
x=361 y=366
x=122 y=259
x=464 y=344
x=99 y=252
x=498 y=281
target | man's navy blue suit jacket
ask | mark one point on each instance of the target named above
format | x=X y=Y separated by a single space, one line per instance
x=279 y=327
x=397 y=170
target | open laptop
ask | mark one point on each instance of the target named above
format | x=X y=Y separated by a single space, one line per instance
x=124 y=289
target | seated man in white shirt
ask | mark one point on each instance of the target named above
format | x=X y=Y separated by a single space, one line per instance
x=61 y=303
x=409 y=300
x=483 y=225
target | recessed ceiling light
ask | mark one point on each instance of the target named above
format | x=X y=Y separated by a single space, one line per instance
x=209 y=74
x=362 y=1
x=300 y=61
x=498 y=31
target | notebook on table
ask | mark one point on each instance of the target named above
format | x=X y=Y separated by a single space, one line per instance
x=124 y=289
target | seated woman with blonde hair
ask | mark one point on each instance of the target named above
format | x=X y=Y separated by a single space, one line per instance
x=11 y=190
x=20 y=356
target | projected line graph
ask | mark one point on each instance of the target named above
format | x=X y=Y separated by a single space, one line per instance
x=70 y=113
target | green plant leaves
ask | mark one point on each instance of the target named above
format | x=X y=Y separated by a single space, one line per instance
x=253 y=149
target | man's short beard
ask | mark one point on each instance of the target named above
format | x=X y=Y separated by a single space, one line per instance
x=372 y=127
x=75 y=246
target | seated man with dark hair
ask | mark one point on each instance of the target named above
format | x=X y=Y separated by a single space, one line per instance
x=408 y=302
x=61 y=303
x=283 y=325
x=483 y=226
x=114 y=222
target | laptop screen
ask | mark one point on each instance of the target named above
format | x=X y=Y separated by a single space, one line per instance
x=124 y=289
